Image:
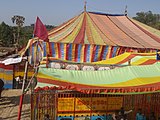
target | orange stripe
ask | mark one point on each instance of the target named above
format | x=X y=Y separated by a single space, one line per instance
x=149 y=62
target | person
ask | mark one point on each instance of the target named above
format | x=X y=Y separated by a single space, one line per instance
x=18 y=81
x=144 y=117
x=120 y=114
x=1 y=86
x=139 y=115
x=98 y=119
x=46 y=117
x=115 y=115
x=152 y=116
x=123 y=114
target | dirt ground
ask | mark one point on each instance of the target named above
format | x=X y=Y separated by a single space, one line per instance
x=9 y=104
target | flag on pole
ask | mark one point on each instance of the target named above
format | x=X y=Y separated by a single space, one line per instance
x=40 y=30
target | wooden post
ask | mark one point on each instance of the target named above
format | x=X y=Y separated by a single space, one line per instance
x=129 y=62
x=74 y=106
x=23 y=88
x=25 y=75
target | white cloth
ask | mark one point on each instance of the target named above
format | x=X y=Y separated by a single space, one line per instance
x=12 y=61
x=17 y=79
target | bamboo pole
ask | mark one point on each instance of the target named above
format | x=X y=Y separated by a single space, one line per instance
x=23 y=88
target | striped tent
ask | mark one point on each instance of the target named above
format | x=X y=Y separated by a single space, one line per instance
x=91 y=37
x=106 y=29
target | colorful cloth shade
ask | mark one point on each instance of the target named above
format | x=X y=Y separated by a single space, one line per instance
x=76 y=52
x=130 y=58
x=138 y=79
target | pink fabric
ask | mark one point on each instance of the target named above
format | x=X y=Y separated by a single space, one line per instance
x=40 y=30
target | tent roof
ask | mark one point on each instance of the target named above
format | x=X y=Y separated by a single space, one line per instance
x=138 y=79
x=106 y=29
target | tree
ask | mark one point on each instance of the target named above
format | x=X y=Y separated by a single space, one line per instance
x=19 y=20
x=26 y=34
x=6 y=36
x=148 y=18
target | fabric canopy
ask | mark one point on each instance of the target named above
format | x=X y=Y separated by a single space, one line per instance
x=133 y=58
x=120 y=60
x=131 y=79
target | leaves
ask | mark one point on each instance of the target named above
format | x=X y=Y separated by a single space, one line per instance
x=6 y=37
x=148 y=18
x=8 y=34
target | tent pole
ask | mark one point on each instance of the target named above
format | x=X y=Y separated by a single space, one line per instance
x=22 y=95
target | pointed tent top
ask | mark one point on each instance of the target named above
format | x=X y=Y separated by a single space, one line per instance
x=85 y=5
x=125 y=12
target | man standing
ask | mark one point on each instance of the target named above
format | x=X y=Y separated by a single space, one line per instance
x=18 y=79
x=1 y=86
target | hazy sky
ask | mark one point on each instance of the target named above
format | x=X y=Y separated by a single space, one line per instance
x=55 y=12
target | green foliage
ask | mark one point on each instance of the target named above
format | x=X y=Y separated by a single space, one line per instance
x=8 y=34
x=6 y=37
x=148 y=18
x=49 y=27
x=26 y=33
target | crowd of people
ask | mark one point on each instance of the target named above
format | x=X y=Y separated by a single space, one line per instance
x=18 y=81
x=122 y=115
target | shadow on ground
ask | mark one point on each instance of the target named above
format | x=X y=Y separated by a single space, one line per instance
x=9 y=105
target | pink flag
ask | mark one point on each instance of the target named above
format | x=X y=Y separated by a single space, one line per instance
x=40 y=30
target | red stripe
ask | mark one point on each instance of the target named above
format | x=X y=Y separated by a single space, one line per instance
x=50 y=49
x=59 y=50
x=120 y=50
x=67 y=48
x=93 y=53
x=110 y=56
x=102 y=52
x=149 y=62
x=85 y=52
x=80 y=37
x=6 y=67
x=76 y=52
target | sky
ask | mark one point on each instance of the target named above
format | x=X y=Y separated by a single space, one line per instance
x=55 y=12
